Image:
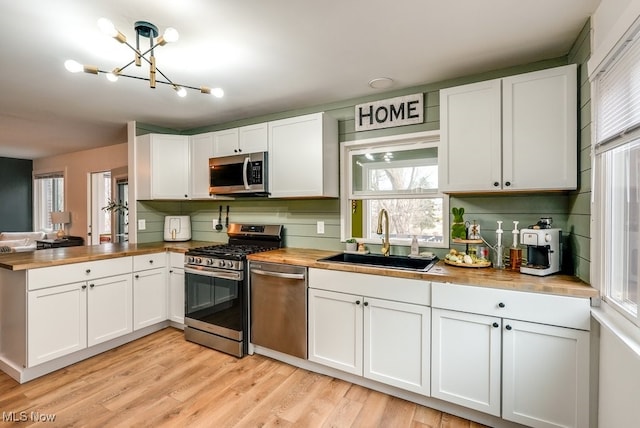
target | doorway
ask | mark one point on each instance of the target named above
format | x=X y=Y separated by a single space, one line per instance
x=108 y=209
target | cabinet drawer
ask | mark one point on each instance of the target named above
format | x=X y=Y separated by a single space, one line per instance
x=564 y=311
x=149 y=261
x=382 y=287
x=77 y=272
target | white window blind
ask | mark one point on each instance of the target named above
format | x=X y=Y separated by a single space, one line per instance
x=618 y=94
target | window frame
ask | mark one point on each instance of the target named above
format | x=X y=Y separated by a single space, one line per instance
x=618 y=134
x=346 y=194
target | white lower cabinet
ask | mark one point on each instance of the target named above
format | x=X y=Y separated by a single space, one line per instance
x=149 y=289
x=176 y=287
x=545 y=375
x=384 y=340
x=465 y=358
x=109 y=309
x=67 y=318
x=493 y=361
x=56 y=322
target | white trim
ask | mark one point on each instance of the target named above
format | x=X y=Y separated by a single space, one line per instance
x=621 y=327
x=625 y=27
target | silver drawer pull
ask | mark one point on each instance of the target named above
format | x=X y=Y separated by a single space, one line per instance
x=278 y=274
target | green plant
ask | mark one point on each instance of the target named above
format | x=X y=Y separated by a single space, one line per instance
x=351 y=241
x=458 y=229
x=116 y=207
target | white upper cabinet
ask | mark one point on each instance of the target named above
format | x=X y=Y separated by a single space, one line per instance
x=253 y=138
x=303 y=157
x=162 y=166
x=238 y=141
x=225 y=143
x=201 y=151
x=518 y=133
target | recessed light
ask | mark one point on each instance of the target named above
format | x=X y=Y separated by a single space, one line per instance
x=381 y=83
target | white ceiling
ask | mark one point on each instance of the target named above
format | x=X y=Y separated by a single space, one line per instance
x=267 y=55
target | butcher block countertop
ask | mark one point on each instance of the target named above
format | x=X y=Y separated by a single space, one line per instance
x=61 y=256
x=495 y=278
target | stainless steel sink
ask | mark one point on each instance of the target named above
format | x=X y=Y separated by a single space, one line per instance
x=378 y=260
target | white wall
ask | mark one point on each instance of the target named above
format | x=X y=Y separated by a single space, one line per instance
x=78 y=166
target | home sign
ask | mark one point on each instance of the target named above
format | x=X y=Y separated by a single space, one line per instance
x=399 y=111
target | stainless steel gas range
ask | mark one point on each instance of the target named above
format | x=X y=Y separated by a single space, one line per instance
x=216 y=290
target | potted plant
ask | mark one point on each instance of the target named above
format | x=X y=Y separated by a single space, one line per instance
x=352 y=244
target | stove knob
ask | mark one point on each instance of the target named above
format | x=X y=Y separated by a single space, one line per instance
x=221 y=263
x=209 y=261
x=198 y=260
x=230 y=264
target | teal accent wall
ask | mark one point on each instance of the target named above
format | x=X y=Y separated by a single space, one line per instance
x=570 y=211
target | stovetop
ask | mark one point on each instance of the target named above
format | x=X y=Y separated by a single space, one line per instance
x=244 y=239
x=229 y=251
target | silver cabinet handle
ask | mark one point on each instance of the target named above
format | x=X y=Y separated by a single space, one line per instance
x=278 y=274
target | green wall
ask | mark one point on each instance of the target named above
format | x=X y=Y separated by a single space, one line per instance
x=569 y=211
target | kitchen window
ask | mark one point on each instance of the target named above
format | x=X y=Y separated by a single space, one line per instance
x=399 y=174
x=617 y=181
x=48 y=196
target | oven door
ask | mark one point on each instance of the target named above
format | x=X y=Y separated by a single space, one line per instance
x=241 y=174
x=215 y=302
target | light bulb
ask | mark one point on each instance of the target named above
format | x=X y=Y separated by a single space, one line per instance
x=112 y=77
x=182 y=92
x=107 y=27
x=73 y=66
x=217 y=92
x=170 y=35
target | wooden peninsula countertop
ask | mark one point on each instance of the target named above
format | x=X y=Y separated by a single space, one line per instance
x=488 y=277
x=65 y=255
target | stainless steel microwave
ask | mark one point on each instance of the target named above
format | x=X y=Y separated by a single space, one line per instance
x=241 y=175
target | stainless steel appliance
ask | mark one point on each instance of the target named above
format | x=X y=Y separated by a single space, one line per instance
x=216 y=287
x=279 y=307
x=177 y=228
x=239 y=175
x=544 y=249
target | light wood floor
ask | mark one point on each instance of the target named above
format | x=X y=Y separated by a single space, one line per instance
x=163 y=380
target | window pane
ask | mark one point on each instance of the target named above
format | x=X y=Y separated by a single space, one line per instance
x=49 y=196
x=622 y=216
x=394 y=171
x=407 y=217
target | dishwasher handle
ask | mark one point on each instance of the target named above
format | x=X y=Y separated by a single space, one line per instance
x=278 y=274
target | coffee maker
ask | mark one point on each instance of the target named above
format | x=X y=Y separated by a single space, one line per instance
x=544 y=248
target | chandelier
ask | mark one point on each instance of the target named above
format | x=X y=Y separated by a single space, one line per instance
x=143 y=30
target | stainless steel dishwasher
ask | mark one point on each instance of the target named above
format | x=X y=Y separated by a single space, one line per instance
x=279 y=307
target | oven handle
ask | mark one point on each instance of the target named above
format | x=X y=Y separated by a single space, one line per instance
x=236 y=276
x=278 y=274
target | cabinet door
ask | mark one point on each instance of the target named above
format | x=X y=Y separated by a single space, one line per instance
x=303 y=157
x=335 y=330
x=176 y=295
x=57 y=322
x=170 y=166
x=465 y=359
x=225 y=143
x=545 y=380
x=470 y=126
x=253 y=138
x=109 y=308
x=540 y=130
x=397 y=344
x=201 y=151
x=149 y=297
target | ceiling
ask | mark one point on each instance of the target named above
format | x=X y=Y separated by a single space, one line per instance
x=268 y=56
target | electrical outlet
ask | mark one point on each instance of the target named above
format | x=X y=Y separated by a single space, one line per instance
x=320 y=227
x=142 y=224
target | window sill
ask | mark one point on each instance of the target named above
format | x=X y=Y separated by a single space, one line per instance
x=621 y=327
